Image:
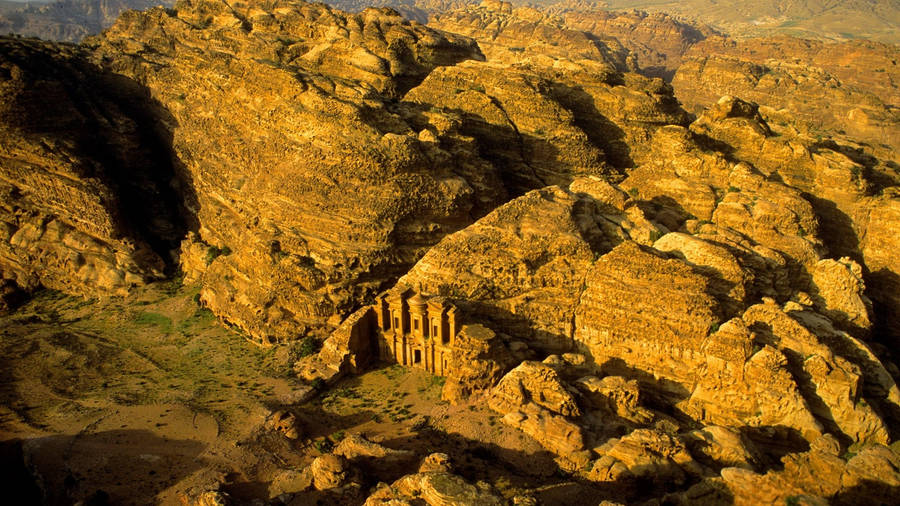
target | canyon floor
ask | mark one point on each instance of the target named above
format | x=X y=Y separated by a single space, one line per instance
x=139 y=400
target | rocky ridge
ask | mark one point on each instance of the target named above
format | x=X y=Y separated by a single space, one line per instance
x=672 y=308
x=68 y=20
x=840 y=90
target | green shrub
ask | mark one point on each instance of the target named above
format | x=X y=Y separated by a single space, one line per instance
x=213 y=252
x=323 y=445
x=154 y=319
x=307 y=347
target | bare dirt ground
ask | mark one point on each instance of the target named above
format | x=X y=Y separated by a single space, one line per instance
x=133 y=399
x=149 y=400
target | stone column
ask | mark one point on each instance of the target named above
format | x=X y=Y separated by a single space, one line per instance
x=451 y=322
x=382 y=312
x=436 y=320
x=417 y=316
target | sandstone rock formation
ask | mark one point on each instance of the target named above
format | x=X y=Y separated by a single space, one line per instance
x=285 y=423
x=78 y=214
x=670 y=283
x=348 y=350
x=841 y=90
x=569 y=77
x=549 y=239
x=657 y=40
x=532 y=398
x=478 y=360
x=68 y=20
x=653 y=308
x=298 y=224
x=820 y=472
x=647 y=456
x=843 y=20
x=433 y=488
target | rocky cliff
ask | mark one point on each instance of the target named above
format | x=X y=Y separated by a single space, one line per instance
x=841 y=90
x=312 y=188
x=660 y=305
x=865 y=19
x=87 y=203
x=360 y=142
x=68 y=20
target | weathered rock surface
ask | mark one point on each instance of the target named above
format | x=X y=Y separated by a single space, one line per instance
x=299 y=223
x=533 y=399
x=83 y=187
x=68 y=20
x=803 y=18
x=286 y=423
x=575 y=83
x=657 y=40
x=722 y=447
x=533 y=382
x=529 y=35
x=434 y=489
x=348 y=350
x=549 y=238
x=329 y=471
x=644 y=456
x=842 y=90
x=868 y=477
x=614 y=395
x=478 y=360
x=436 y=462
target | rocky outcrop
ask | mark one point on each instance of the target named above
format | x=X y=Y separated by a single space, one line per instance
x=645 y=456
x=837 y=188
x=722 y=447
x=84 y=188
x=623 y=289
x=614 y=395
x=840 y=90
x=801 y=18
x=569 y=77
x=533 y=382
x=286 y=423
x=883 y=279
x=348 y=350
x=869 y=476
x=657 y=40
x=840 y=292
x=68 y=20
x=434 y=489
x=529 y=35
x=549 y=240
x=297 y=223
x=328 y=471
x=478 y=359
x=670 y=284
x=533 y=399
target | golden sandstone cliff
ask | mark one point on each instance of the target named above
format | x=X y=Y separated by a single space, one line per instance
x=676 y=307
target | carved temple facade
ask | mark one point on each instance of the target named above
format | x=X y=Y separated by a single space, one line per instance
x=415 y=331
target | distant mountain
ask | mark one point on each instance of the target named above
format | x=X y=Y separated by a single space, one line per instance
x=66 y=20
x=829 y=19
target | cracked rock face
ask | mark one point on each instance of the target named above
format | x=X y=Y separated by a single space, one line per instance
x=79 y=199
x=550 y=238
x=670 y=309
x=307 y=191
x=726 y=317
